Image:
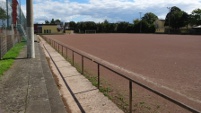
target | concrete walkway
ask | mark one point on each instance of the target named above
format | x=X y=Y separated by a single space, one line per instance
x=29 y=87
x=79 y=94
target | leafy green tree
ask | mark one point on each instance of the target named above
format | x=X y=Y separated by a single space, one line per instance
x=88 y=25
x=136 y=21
x=57 y=21
x=3 y=15
x=47 y=22
x=195 y=17
x=176 y=18
x=124 y=27
x=146 y=27
x=52 y=21
x=105 y=26
x=150 y=17
x=72 y=25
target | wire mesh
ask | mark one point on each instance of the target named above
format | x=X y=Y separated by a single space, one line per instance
x=12 y=24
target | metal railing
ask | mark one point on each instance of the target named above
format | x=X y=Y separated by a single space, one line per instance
x=60 y=48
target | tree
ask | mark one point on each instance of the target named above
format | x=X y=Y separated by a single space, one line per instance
x=123 y=27
x=176 y=18
x=195 y=17
x=136 y=21
x=150 y=17
x=57 y=21
x=47 y=22
x=52 y=21
x=88 y=25
x=145 y=26
x=72 y=24
x=3 y=15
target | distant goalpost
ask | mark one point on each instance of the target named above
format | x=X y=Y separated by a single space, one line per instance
x=90 y=31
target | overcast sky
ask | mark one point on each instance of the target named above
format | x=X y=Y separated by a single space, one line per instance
x=99 y=10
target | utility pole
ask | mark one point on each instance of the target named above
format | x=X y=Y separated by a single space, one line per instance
x=30 y=30
x=140 y=22
x=169 y=17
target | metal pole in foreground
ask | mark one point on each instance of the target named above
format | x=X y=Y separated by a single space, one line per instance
x=30 y=30
x=7 y=13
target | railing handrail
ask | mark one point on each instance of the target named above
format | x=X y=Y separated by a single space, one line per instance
x=110 y=67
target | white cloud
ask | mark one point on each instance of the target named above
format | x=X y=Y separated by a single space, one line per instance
x=112 y=10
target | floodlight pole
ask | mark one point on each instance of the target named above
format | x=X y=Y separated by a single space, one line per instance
x=7 y=13
x=140 y=22
x=30 y=30
x=169 y=17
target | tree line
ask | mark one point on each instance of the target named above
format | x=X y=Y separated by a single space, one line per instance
x=175 y=19
x=146 y=24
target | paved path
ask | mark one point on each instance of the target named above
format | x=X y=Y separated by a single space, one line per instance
x=79 y=93
x=28 y=87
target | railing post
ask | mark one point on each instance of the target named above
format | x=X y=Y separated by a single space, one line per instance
x=98 y=76
x=82 y=64
x=62 y=50
x=57 y=46
x=130 y=96
x=66 y=53
x=73 y=57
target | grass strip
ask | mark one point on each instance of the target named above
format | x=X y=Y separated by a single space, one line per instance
x=9 y=57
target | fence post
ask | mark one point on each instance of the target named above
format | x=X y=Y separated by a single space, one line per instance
x=66 y=53
x=73 y=57
x=130 y=96
x=82 y=64
x=57 y=46
x=62 y=50
x=98 y=76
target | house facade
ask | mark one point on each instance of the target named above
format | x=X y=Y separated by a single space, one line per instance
x=47 y=28
x=159 y=24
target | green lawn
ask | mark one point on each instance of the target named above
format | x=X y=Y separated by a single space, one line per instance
x=9 y=57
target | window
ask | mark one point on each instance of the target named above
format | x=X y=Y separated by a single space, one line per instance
x=47 y=31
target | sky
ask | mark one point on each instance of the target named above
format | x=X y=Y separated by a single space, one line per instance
x=100 y=10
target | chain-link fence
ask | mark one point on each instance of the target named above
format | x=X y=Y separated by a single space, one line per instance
x=12 y=25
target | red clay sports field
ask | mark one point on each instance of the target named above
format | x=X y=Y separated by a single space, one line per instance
x=172 y=62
